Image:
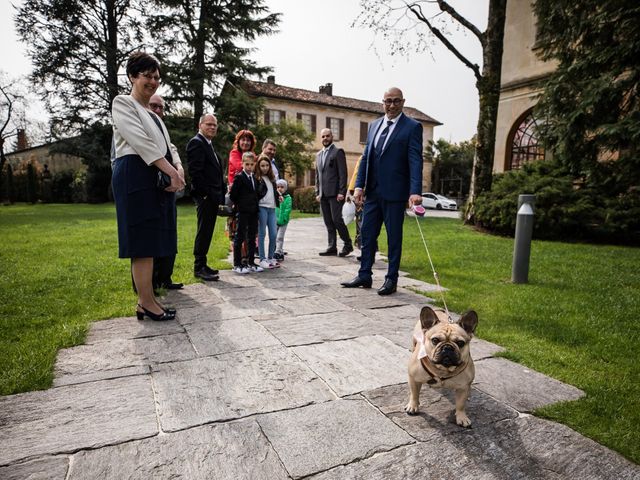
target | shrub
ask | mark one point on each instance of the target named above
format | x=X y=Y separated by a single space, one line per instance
x=62 y=187
x=565 y=208
x=304 y=199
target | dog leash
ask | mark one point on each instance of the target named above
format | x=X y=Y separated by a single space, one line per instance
x=421 y=213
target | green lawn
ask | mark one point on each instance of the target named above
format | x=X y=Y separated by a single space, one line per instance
x=576 y=319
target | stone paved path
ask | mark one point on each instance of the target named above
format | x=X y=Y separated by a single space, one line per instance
x=282 y=375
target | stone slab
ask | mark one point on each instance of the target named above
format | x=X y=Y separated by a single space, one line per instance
x=373 y=301
x=239 y=294
x=520 y=449
x=249 y=307
x=283 y=283
x=520 y=387
x=66 y=419
x=234 y=385
x=50 y=468
x=129 y=327
x=312 y=439
x=481 y=349
x=336 y=291
x=352 y=366
x=214 y=338
x=120 y=354
x=316 y=328
x=195 y=295
x=310 y=305
x=72 y=379
x=437 y=410
x=235 y=450
x=230 y=279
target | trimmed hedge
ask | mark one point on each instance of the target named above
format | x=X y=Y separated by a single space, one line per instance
x=304 y=199
x=565 y=209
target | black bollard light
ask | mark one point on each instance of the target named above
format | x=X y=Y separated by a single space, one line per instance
x=522 y=242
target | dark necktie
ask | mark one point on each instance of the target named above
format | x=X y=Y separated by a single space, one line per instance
x=383 y=137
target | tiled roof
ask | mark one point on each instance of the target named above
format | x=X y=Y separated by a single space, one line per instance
x=272 y=90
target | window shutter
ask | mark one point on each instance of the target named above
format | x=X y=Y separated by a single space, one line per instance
x=328 y=122
x=283 y=115
x=313 y=124
x=341 y=129
x=266 y=116
x=298 y=116
x=364 y=126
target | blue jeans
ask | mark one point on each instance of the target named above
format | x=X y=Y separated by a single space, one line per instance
x=267 y=218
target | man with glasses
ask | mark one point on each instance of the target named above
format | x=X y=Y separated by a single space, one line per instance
x=163 y=266
x=389 y=174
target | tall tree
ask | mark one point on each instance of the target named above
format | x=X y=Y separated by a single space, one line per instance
x=394 y=18
x=199 y=41
x=11 y=98
x=591 y=102
x=77 y=48
x=452 y=166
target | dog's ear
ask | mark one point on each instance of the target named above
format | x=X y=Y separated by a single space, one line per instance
x=469 y=321
x=428 y=318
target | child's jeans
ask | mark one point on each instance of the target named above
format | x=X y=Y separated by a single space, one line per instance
x=267 y=219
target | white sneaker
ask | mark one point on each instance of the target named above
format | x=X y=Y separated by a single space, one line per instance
x=256 y=269
x=265 y=264
x=241 y=270
x=274 y=263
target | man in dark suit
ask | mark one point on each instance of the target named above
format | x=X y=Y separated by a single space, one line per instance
x=390 y=173
x=207 y=189
x=163 y=266
x=331 y=188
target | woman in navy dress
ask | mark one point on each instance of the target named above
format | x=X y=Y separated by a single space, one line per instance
x=146 y=213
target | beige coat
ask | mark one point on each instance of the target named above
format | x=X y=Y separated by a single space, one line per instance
x=135 y=132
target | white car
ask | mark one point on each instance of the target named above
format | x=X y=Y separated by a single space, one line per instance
x=439 y=202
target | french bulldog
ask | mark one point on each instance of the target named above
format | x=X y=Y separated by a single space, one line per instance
x=441 y=358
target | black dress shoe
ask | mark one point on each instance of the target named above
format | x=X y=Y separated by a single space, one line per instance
x=211 y=271
x=357 y=282
x=346 y=250
x=206 y=276
x=172 y=286
x=329 y=252
x=388 y=287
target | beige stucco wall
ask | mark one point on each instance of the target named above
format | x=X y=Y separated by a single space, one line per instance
x=351 y=141
x=56 y=162
x=520 y=69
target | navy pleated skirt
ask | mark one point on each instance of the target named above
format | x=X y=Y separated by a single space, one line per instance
x=146 y=215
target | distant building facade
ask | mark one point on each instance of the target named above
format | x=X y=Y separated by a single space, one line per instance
x=348 y=118
x=522 y=72
x=56 y=162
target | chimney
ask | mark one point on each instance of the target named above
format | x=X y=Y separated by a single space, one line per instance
x=271 y=79
x=321 y=89
x=328 y=89
x=21 y=143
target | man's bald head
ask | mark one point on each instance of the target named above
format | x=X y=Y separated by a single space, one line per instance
x=156 y=104
x=393 y=102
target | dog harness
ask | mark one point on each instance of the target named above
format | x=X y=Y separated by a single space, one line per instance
x=422 y=356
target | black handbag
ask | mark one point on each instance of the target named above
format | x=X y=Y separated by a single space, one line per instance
x=163 y=181
x=226 y=209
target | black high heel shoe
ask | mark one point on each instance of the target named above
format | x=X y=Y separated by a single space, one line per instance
x=154 y=316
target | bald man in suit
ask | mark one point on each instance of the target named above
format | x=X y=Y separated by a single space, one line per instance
x=389 y=175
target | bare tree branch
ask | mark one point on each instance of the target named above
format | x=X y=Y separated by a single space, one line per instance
x=445 y=7
x=417 y=11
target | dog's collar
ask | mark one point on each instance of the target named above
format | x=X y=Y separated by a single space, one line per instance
x=435 y=378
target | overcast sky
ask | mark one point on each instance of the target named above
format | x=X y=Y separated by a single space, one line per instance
x=317 y=45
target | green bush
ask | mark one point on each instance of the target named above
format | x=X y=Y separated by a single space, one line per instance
x=565 y=209
x=304 y=199
x=62 y=187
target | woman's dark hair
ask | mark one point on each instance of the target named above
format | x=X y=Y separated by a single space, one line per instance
x=259 y=175
x=140 y=62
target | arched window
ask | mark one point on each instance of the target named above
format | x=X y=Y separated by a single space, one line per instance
x=524 y=145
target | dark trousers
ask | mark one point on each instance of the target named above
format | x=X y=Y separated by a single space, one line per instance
x=332 y=214
x=162 y=270
x=247 y=228
x=207 y=212
x=376 y=212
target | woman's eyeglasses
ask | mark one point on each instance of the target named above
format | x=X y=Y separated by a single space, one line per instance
x=150 y=76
